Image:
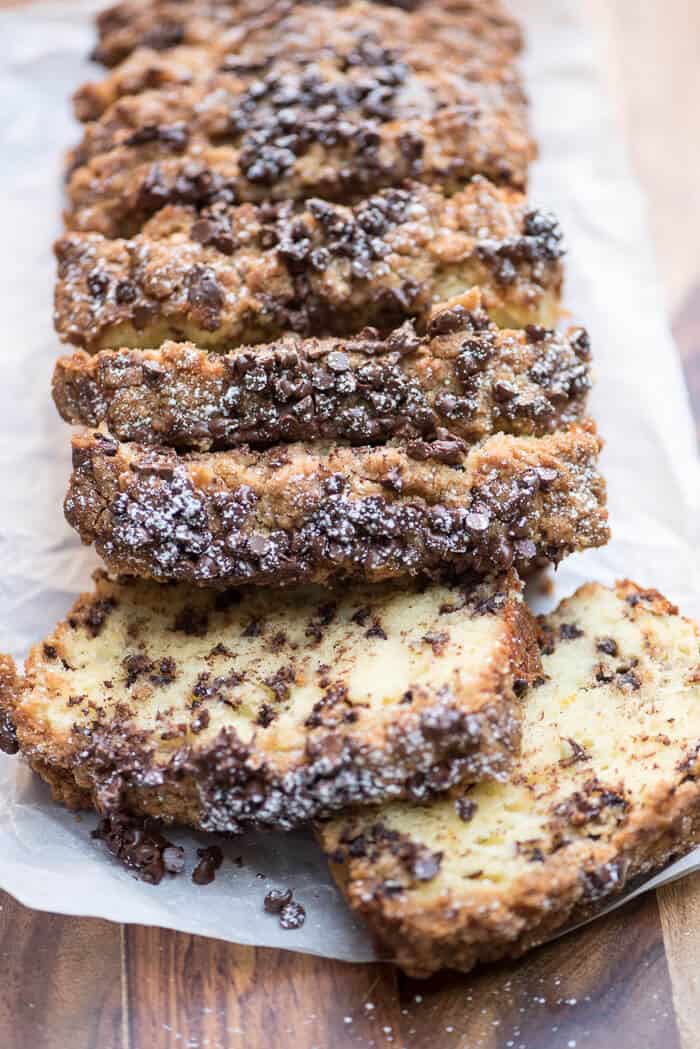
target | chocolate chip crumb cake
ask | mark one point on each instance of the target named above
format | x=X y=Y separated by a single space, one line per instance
x=477 y=37
x=476 y=30
x=605 y=788
x=310 y=129
x=313 y=512
x=265 y=708
x=229 y=275
x=464 y=376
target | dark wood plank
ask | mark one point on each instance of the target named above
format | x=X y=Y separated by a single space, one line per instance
x=611 y=975
x=679 y=906
x=61 y=988
x=211 y=993
x=603 y=986
x=60 y=985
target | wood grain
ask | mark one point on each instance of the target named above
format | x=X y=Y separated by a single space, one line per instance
x=611 y=974
x=61 y=981
x=679 y=906
x=221 y=994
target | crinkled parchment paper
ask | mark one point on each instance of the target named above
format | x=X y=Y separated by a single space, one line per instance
x=47 y=858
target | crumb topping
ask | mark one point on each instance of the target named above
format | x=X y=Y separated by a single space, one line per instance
x=298 y=513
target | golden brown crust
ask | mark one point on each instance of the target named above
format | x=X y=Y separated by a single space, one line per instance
x=226 y=712
x=468 y=383
x=316 y=129
x=303 y=513
x=227 y=276
x=567 y=832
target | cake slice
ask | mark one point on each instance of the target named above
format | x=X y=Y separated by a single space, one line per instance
x=223 y=710
x=312 y=512
x=605 y=788
x=231 y=275
x=480 y=29
x=375 y=82
x=309 y=129
x=479 y=37
x=473 y=381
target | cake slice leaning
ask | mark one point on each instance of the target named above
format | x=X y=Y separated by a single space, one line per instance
x=261 y=708
x=464 y=377
x=314 y=512
x=606 y=787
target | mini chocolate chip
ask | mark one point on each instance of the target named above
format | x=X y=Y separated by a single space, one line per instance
x=465 y=809
x=201 y=231
x=210 y=859
x=581 y=342
x=107 y=445
x=201 y=721
x=276 y=900
x=140 y=846
x=292 y=916
x=631 y=679
x=97 y=283
x=265 y=716
x=125 y=292
x=569 y=632
x=204 y=291
x=153 y=372
x=8 y=735
x=504 y=391
x=448 y=321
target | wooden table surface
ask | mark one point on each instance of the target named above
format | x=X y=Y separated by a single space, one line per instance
x=629 y=981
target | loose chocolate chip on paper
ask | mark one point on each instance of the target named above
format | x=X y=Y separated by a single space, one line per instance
x=276 y=900
x=210 y=859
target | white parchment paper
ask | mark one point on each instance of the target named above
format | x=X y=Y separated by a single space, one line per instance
x=47 y=859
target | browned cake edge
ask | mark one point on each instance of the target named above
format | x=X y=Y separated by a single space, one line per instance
x=452 y=934
x=461 y=386
x=299 y=513
x=226 y=785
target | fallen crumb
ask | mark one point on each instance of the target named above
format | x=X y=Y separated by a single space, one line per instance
x=210 y=859
x=139 y=845
x=292 y=916
x=276 y=899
